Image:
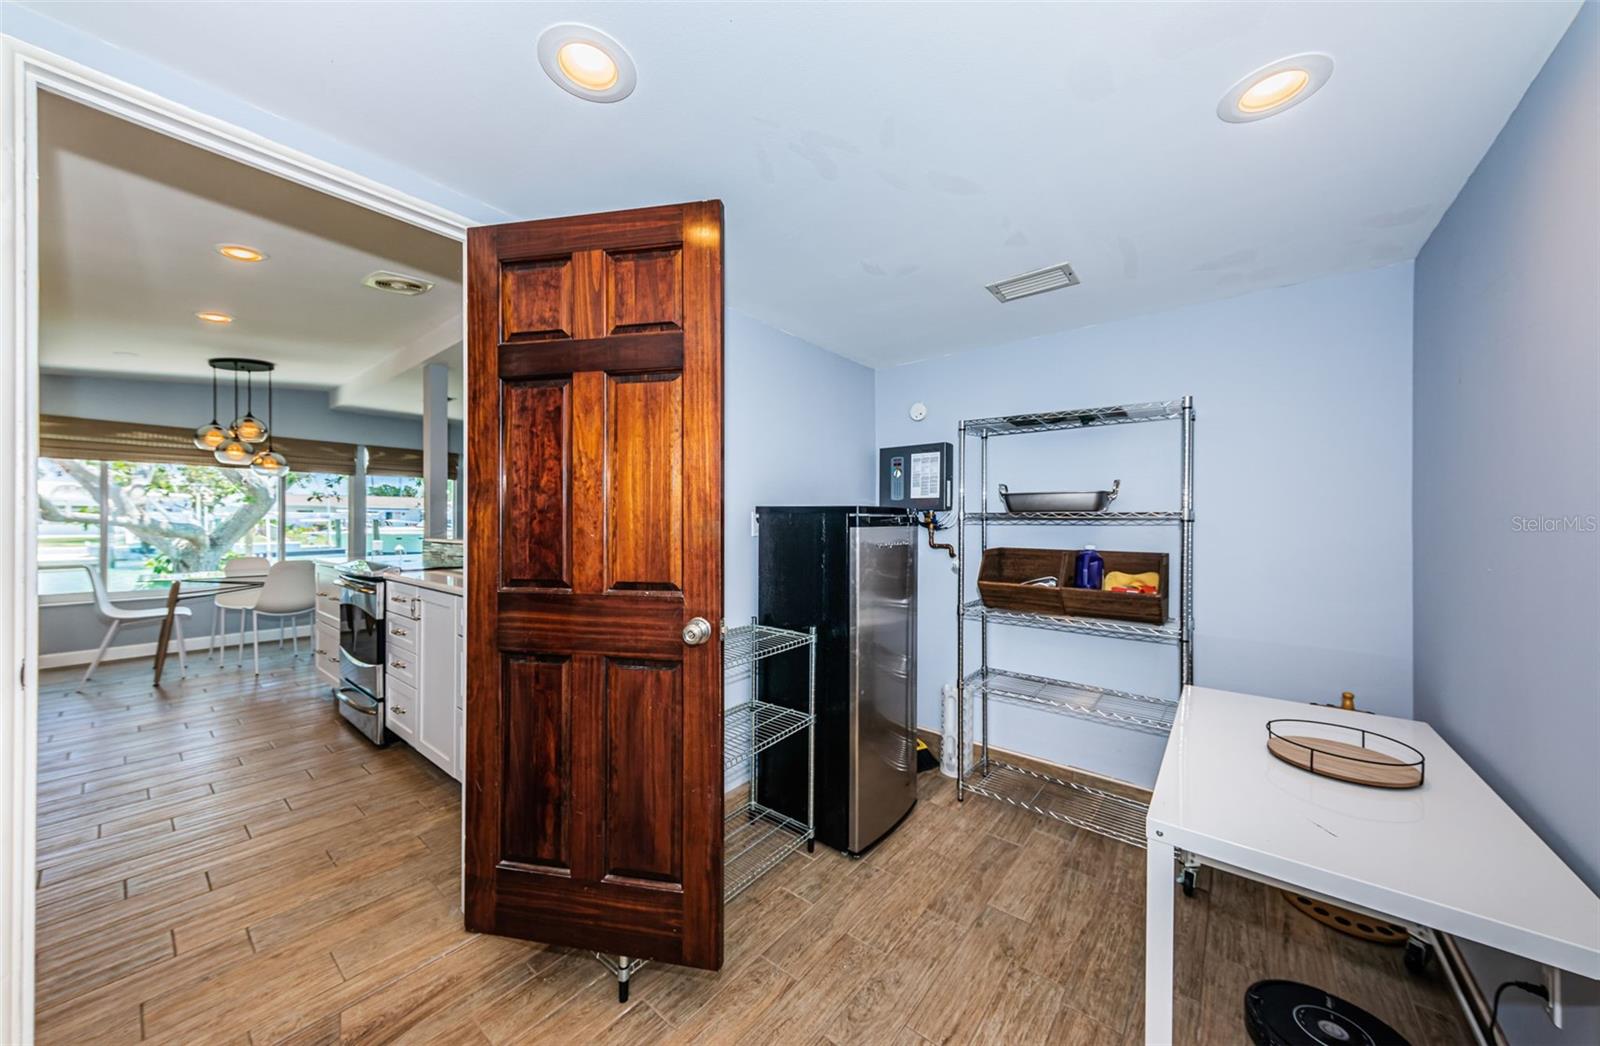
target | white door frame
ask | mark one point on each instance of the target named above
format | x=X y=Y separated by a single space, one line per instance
x=26 y=71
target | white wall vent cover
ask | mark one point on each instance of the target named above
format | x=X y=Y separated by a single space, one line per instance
x=1052 y=278
x=397 y=283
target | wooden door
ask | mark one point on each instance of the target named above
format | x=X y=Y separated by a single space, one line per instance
x=594 y=442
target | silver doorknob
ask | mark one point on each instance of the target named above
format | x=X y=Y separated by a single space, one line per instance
x=697 y=631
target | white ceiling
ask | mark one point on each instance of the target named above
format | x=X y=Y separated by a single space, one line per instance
x=131 y=220
x=882 y=162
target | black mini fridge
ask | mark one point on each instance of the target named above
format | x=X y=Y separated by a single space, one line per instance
x=851 y=572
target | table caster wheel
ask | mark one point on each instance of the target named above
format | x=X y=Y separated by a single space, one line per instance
x=1418 y=955
x=1187 y=879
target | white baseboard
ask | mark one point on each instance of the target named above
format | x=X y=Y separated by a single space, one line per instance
x=123 y=652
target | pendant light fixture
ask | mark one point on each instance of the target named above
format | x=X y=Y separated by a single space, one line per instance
x=211 y=435
x=247 y=426
x=238 y=444
x=233 y=450
x=269 y=462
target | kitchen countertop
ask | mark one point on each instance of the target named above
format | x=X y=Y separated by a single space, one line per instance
x=451 y=581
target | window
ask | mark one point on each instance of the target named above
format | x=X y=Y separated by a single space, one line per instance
x=138 y=521
x=394 y=515
x=69 y=527
x=317 y=514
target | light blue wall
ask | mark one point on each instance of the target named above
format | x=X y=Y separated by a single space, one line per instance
x=1303 y=486
x=1508 y=432
x=798 y=429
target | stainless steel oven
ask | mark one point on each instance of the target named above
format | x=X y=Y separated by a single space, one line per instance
x=361 y=653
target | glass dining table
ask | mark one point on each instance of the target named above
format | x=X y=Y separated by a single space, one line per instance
x=198 y=584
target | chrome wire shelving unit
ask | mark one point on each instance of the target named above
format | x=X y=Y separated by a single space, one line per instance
x=756 y=838
x=1084 y=806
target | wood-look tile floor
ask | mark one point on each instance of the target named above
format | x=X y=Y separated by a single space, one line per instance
x=224 y=860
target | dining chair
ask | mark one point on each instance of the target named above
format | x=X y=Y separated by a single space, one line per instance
x=241 y=599
x=117 y=616
x=290 y=592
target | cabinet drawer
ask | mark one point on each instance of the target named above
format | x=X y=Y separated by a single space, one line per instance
x=400 y=708
x=402 y=636
x=325 y=650
x=328 y=603
x=400 y=665
x=401 y=601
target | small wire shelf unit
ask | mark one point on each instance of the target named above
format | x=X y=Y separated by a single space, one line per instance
x=755 y=838
x=1116 y=816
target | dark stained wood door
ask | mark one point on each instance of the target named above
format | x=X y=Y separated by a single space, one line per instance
x=594 y=442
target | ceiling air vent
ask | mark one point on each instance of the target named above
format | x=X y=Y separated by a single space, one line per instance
x=395 y=283
x=1038 y=281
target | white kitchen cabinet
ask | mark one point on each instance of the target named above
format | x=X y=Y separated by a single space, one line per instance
x=461 y=689
x=423 y=670
x=325 y=634
x=436 y=682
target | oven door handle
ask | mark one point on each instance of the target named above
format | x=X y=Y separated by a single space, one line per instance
x=353 y=698
x=363 y=589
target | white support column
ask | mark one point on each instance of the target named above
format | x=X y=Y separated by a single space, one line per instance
x=435 y=449
x=1159 y=887
x=358 y=507
x=283 y=518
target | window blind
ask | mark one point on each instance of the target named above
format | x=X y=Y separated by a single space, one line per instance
x=94 y=439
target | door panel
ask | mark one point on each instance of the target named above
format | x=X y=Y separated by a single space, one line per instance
x=533 y=514
x=644 y=538
x=594 y=762
x=537 y=698
x=646 y=292
x=536 y=300
x=644 y=724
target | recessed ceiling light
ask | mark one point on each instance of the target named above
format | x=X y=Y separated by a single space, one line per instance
x=214 y=317
x=1273 y=88
x=397 y=283
x=586 y=62
x=239 y=252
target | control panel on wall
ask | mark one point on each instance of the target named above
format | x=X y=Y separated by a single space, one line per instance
x=915 y=477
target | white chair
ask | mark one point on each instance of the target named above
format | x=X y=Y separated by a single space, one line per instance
x=119 y=616
x=290 y=592
x=241 y=599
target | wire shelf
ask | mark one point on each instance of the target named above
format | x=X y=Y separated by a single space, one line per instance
x=1090 y=626
x=756 y=726
x=1050 y=421
x=1105 y=813
x=1103 y=519
x=1120 y=707
x=748 y=644
x=756 y=840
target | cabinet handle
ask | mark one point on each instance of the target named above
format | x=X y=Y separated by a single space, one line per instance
x=398 y=664
x=397 y=631
x=397 y=709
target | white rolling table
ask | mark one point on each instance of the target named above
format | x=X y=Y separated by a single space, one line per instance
x=1449 y=856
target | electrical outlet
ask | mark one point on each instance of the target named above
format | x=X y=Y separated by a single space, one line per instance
x=755 y=524
x=1552 y=985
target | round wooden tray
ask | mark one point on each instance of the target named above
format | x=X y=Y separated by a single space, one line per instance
x=1354 y=760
